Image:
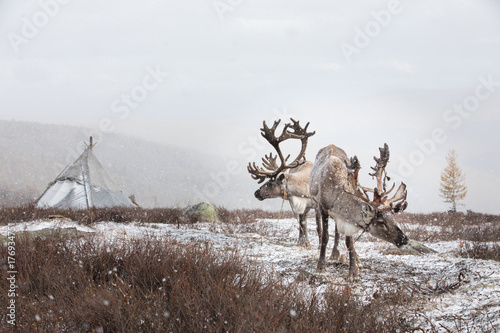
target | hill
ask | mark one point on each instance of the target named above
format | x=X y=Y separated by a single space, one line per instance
x=33 y=154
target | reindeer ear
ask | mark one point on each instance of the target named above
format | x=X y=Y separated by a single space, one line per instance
x=368 y=212
x=281 y=177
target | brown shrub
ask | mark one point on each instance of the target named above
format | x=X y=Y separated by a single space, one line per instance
x=477 y=250
x=452 y=226
x=115 y=214
x=121 y=214
x=157 y=285
x=250 y=215
x=475 y=227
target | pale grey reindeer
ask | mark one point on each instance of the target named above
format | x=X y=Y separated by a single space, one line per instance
x=334 y=186
x=292 y=186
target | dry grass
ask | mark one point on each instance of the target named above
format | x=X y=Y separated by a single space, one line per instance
x=119 y=214
x=478 y=250
x=157 y=285
x=238 y=216
x=475 y=227
x=116 y=214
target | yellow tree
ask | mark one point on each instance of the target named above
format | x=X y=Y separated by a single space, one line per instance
x=453 y=188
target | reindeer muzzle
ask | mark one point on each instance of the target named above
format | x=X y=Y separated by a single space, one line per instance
x=402 y=240
x=258 y=195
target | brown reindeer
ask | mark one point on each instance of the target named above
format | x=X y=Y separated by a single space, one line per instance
x=334 y=186
x=292 y=186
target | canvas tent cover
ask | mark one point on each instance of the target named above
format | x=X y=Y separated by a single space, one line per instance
x=83 y=184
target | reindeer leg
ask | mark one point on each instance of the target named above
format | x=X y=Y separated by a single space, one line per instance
x=303 y=238
x=318 y=224
x=358 y=262
x=324 y=242
x=353 y=265
x=335 y=252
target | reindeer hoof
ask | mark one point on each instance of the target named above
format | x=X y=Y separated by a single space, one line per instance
x=335 y=255
x=353 y=277
x=304 y=242
x=304 y=245
x=321 y=268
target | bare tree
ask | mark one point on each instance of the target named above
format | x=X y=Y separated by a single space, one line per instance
x=453 y=188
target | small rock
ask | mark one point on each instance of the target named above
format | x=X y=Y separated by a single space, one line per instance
x=202 y=212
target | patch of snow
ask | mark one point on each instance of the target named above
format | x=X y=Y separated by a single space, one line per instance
x=40 y=225
x=474 y=285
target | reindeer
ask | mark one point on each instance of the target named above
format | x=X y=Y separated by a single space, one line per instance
x=334 y=186
x=292 y=186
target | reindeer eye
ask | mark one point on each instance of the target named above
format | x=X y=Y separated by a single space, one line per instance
x=382 y=223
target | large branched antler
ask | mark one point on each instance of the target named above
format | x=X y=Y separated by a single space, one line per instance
x=380 y=193
x=260 y=174
x=353 y=167
x=290 y=131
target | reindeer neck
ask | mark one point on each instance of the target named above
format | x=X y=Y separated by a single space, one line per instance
x=296 y=186
x=348 y=208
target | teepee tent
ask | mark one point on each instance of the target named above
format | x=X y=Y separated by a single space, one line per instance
x=83 y=184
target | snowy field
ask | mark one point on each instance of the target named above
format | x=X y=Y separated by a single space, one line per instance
x=446 y=287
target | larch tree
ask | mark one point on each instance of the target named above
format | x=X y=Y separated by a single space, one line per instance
x=453 y=188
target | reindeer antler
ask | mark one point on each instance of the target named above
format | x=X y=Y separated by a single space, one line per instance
x=269 y=162
x=380 y=194
x=290 y=131
x=353 y=167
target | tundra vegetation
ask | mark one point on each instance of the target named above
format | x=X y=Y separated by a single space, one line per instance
x=157 y=284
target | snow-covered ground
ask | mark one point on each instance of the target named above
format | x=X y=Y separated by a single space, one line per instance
x=446 y=286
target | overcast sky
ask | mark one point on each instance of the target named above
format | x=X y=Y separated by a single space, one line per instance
x=423 y=76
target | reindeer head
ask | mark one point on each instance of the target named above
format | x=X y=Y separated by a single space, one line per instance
x=275 y=186
x=378 y=214
x=382 y=225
